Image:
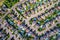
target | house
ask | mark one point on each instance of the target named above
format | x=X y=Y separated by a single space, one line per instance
x=12 y=38
x=58 y=37
x=38 y=23
x=46 y=38
x=34 y=18
x=4 y=8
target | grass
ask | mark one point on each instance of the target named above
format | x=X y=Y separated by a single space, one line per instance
x=48 y=18
x=40 y=29
x=1 y=2
x=20 y=13
x=53 y=37
x=58 y=25
x=30 y=22
x=10 y=3
x=1 y=15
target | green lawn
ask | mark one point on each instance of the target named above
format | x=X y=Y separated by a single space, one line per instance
x=10 y=3
x=41 y=29
x=51 y=38
x=48 y=18
x=1 y=2
x=58 y=25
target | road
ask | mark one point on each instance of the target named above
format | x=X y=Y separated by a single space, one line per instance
x=8 y=31
x=27 y=20
x=11 y=35
x=39 y=13
x=12 y=8
x=52 y=26
x=50 y=34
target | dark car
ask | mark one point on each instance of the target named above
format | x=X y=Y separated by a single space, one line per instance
x=42 y=14
x=51 y=30
x=38 y=23
x=52 y=8
x=12 y=38
x=34 y=32
x=48 y=32
x=31 y=29
x=28 y=28
x=1 y=29
x=39 y=16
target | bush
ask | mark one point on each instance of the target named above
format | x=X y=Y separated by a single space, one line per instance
x=58 y=25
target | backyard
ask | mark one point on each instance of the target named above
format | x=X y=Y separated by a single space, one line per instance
x=10 y=3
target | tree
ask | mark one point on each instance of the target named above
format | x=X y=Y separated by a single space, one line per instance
x=58 y=25
x=40 y=29
x=59 y=4
x=55 y=5
x=56 y=21
x=12 y=38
